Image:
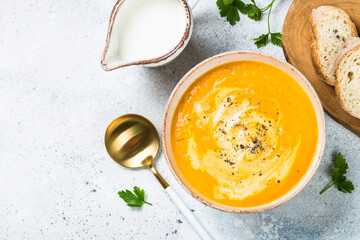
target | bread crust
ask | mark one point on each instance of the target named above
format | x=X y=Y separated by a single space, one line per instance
x=338 y=87
x=316 y=58
x=315 y=44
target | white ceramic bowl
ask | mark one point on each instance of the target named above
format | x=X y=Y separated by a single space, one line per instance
x=202 y=68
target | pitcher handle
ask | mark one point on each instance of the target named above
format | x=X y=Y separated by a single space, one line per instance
x=192 y=3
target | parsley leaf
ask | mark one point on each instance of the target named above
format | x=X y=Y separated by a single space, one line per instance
x=340 y=163
x=276 y=39
x=338 y=176
x=262 y=40
x=227 y=2
x=345 y=186
x=253 y=12
x=229 y=10
x=241 y=6
x=136 y=199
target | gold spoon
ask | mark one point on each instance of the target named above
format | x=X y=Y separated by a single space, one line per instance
x=133 y=142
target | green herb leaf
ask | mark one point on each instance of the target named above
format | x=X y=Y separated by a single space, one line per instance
x=338 y=176
x=228 y=10
x=340 y=163
x=136 y=199
x=345 y=186
x=276 y=39
x=140 y=193
x=241 y=6
x=228 y=2
x=262 y=40
x=339 y=160
x=253 y=12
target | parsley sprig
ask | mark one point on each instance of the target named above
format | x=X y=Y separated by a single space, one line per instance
x=231 y=8
x=136 y=199
x=338 y=176
x=275 y=38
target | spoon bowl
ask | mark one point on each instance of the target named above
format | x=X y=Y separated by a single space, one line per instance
x=132 y=141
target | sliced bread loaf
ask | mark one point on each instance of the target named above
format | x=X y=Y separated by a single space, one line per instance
x=347 y=76
x=331 y=27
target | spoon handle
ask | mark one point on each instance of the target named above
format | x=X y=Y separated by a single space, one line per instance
x=201 y=231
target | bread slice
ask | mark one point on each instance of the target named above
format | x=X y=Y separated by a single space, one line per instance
x=347 y=76
x=330 y=28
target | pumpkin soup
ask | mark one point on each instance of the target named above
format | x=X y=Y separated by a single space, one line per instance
x=244 y=134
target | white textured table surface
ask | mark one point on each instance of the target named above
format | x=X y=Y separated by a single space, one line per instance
x=56 y=179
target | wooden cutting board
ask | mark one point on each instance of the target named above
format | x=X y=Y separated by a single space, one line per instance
x=296 y=46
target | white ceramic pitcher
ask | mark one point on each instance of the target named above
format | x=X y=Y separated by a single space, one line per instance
x=111 y=59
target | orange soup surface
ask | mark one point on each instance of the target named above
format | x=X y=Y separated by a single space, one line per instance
x=244 y=134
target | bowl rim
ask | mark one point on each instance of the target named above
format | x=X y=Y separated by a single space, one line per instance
x=179 y=46
x=306 y=177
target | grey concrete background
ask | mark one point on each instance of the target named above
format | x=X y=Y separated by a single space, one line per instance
x=56 y=179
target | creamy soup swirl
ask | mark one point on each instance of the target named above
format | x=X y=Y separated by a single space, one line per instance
x=247 y=156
